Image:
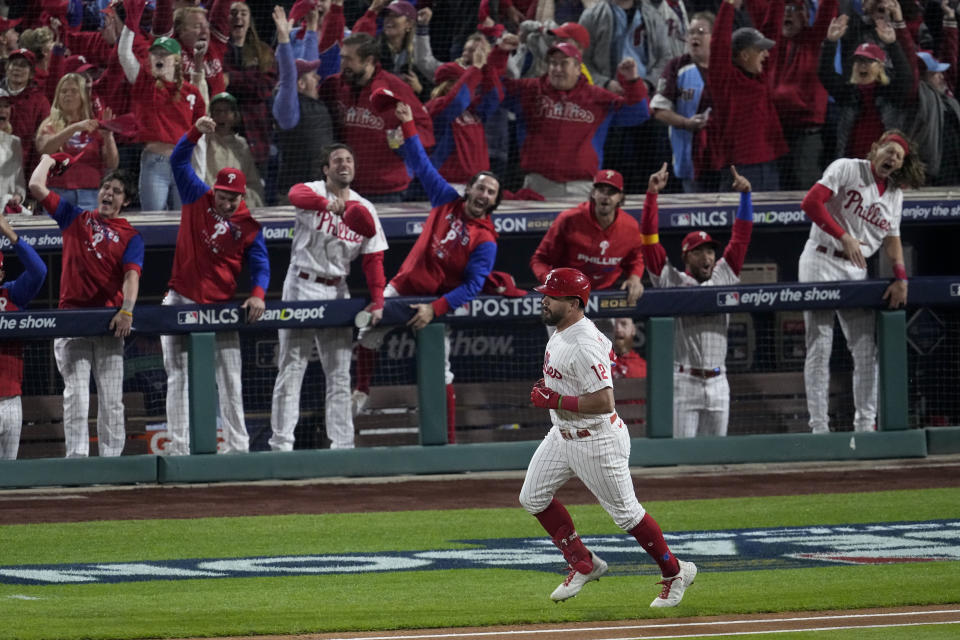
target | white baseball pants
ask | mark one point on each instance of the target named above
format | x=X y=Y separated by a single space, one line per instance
x=11 y=421
x=858 y=326
x=228 y=364
x=701 y=406
x=76 y=359
x=335 y=348
x=601 y=461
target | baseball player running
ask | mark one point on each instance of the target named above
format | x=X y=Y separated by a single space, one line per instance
x=855 y=208
x=102 y=263
x=587 y=440
x=14 y=296
x=333 y=226
x=701 y=393
x=451 y=259
x=216 y=234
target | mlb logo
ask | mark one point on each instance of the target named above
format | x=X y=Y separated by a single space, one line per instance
x=731 y=299
x=188 y=317
x=680 y=219
x=955 y=289
x=414 y=228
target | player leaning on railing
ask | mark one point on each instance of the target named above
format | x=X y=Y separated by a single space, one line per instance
x=102 y=262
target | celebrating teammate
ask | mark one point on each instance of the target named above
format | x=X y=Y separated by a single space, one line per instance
x=216 y=234
x=451 y=259
x=588 y=440
x=14 y=296
x=597 y=237
x=102 y=263
x=855 y=208
x=333 y=226
x=701 y=393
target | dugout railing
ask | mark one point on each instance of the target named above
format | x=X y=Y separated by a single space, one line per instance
x=894 y=438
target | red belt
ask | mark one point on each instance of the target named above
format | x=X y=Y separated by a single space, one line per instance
x=303 y=275
x=827 y=250
x=700 y=373
x=575 y=435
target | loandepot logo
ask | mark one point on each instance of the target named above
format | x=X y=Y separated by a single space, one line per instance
x=735 y=550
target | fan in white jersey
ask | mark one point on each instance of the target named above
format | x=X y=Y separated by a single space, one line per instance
x=334 y=225
x=587 y=440
x=701 y=393
x=855 y=209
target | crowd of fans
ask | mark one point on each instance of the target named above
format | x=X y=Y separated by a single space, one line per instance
x=544 y=93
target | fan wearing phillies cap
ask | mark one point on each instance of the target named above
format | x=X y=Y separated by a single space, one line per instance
x=227 y=148
x=15 y=295
x=451 y=258
x=366 y=126
x=102 y=262
x=588 y=440
x=29 y=104
x=334 y=225
x=217 y=235
x=165 y=105
x=871 y=100
x=598 y=238
x=565 y=120
x=856 y=209
x=701 y=393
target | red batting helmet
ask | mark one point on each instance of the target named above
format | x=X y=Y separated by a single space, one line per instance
x=564 y=282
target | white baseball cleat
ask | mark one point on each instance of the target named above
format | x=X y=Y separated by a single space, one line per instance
x=673 y=588
x=575 y=580
x=358 y=402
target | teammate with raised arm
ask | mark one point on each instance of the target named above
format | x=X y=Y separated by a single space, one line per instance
x=333 y=226
x=587 y=440
x=15 y=295
x=701 y=393
x=102 y=263
x=451 y=259
x=217 y=233
x=855 y=208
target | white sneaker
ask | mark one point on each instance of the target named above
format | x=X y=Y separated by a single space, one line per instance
x=575 y=580
x=673 y=588
x=358 y=402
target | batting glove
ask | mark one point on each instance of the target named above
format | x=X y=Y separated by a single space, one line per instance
x=544 y=397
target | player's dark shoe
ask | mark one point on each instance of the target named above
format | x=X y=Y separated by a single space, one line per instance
x=575 y=580
x=673 y=588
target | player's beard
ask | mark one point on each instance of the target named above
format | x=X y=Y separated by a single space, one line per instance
x=551 y=318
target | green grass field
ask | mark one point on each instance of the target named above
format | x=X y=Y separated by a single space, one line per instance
x=437 y=598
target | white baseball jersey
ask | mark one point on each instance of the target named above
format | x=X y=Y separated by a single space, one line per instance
x=701 y=340
x=577 y=362
x=322 y=243
x=858 y=207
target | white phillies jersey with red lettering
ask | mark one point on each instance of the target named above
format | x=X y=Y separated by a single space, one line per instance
x=577 y=362
x=858 y=207
x=324 y=245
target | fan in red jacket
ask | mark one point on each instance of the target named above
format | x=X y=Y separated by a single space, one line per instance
x=30 y=106
x=451 y=259
x=365 y=127
x=598 y=238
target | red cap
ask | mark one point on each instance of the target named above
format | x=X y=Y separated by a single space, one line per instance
x=6 y=25
x=501 y=283
x=124 y=125
x=230 y=179
x=574 y=31
x=566 y=49
x=403 y=8
x=64 y=161
x=358 y=219
x=871 y=51
x=77 y=64
x=23 y=53
x=448 y=71
x=610 y=177
x=695 y=239
x=304 y=66
x=384 y=99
